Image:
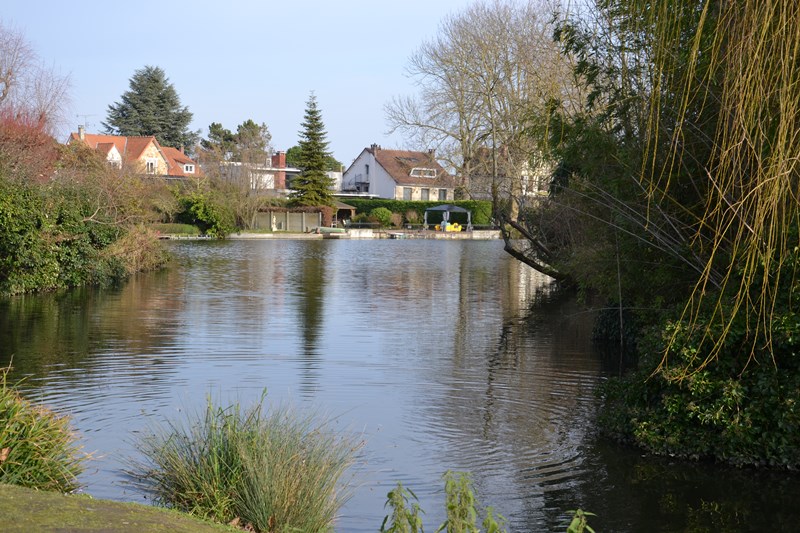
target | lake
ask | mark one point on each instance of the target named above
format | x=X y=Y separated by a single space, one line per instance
x=438 y=354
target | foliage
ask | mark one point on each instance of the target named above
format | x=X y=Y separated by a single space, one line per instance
x=37 y=447
x=277 y=472
x=382 y=215
x=49 y=240
x=204 y=210
x=739 y=408
x=580 y=522
x=313 y=186
x=404 y=519
x=331 y=163
x=481 y=209
x=461 y=507
x=151 y=106
x=250 y=144
x=27 y=152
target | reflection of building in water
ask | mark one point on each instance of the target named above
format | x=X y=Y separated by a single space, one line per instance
x=512 y=384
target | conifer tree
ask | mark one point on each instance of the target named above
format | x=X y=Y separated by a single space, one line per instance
x=313 y=186
x=152 y=107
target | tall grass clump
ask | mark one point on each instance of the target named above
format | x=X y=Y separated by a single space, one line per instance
x=37 y=448
x=276 y=472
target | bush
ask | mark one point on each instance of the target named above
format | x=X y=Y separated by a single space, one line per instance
x=481 y=209
x=733 y=410
x=382 y=215
x=277 y=472
x=201 y=210
x=37 y=448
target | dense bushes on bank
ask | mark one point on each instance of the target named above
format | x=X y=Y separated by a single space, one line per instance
x=74 y=222
x=740 y=405
x=414 y=212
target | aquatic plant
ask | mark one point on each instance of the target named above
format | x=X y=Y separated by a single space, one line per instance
x=461 y=504
x=37 y=448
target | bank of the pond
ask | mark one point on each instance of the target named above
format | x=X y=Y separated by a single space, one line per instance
x=369 y=233
x=28 y=510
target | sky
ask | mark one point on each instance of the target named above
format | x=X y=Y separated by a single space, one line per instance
x=235 y=60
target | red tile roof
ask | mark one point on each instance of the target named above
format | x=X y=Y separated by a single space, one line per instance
x=132 y=148
x=400 y=163
x=177 y=160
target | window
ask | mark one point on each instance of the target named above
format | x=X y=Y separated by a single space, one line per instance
x=420 y=172
x=366 y=170
x=442 y=195
x=188 y=169
x=150 y=166
x=426 y=194
x=407 y=194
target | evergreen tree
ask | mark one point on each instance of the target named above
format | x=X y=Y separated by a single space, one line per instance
x=152 y=107
x=312 y=187
x=331 y=163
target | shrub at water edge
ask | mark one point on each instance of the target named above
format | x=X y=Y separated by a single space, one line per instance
x=275 y=471
x=37 y=448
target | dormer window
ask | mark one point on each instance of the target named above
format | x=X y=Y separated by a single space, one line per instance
x=421 y=172
x=150 y=166
x=188 y=169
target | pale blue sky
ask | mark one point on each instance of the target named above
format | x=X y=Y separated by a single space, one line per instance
x=234 y=60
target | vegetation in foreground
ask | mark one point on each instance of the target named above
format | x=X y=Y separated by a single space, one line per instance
x=275 y=472
x=37 y=447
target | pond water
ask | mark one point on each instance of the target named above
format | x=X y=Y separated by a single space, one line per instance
x=438 y=354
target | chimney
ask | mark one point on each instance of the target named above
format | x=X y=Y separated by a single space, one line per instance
x=81 y=132
x=375 y=148
x=279 y=162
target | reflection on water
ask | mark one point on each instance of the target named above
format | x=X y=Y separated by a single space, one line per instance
x=443 y=355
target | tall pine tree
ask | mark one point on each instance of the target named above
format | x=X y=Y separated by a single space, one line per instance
x=152 y=107
x=313 y=186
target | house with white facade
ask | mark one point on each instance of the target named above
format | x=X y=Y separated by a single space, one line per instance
x=398 y=175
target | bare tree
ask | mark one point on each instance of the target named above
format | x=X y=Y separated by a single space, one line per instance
x=27 y=86
x=485 y=84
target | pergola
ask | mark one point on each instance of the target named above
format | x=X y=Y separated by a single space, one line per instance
x=446 y=209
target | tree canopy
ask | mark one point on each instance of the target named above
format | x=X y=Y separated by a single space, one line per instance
x=152 y=106
x=313 y=186
x=331 y=163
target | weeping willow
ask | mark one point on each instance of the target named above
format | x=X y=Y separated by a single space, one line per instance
x=740 y=67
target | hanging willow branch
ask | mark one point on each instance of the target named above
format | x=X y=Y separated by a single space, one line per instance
x=751 y=50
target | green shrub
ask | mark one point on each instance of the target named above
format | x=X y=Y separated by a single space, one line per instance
x=732 y=410
x=201 y=210
x=277 y=472
x=37 y=448
x=382 y=215
x=481 y=209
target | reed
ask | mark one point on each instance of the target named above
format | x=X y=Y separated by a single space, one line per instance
x=37 y=448
x=275 y=472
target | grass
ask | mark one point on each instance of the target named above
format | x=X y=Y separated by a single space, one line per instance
x=176 y=229
x=37 y=448
x=27 y=510
x=277 y=471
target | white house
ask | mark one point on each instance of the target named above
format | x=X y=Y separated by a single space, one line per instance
x=399 y=175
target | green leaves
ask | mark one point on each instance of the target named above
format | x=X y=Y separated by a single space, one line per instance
x=151 y=107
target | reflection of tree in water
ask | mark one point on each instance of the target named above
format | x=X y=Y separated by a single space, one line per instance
x=309 y=287
x=67 y=329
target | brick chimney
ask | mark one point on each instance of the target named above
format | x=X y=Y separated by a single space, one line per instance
x=279 y=162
